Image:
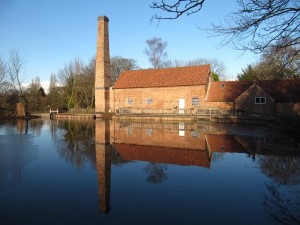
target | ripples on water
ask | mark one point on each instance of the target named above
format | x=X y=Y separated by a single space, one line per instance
x=121 y=172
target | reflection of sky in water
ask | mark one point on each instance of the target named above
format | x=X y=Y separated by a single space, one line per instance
x=16 y=152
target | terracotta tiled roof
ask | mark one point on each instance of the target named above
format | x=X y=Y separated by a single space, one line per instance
x=228 y=91
x=167 y=155
x=164 y=77
x=282 y=90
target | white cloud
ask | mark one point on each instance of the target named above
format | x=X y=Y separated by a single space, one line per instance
x=45 y=84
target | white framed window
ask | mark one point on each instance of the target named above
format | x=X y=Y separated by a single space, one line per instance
x=260 y=100
x=149 y=101
x=129 y=101
x=195 y=101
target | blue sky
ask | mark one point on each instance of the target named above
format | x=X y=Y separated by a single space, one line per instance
x=50 y=33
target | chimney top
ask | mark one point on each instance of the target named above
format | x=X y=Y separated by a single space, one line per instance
x=105 y=18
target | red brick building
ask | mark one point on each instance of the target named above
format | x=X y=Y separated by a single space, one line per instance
x=185 y=90
x=281 y=97
x=167 y=90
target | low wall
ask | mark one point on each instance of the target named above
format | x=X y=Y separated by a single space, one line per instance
x=74 y=116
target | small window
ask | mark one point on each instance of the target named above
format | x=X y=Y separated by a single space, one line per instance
x=222 y=85
x=149 y=131
x=258 y=139
x=181 y=126
x=195 y=101
x=149 y=101
x=260 y=100
x=195 y=134
x=129 y=101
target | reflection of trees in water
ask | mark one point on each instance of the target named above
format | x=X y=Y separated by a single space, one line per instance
x=116 y=158
x=36 y=126
x=16 y=152
x=282 y=200
x=282 y=203
x=157 y=172
x=76 y=141
x=283 y=169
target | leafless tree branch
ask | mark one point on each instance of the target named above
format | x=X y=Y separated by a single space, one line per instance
x=177 y=9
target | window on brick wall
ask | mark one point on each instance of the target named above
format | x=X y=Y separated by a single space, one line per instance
x=149 y=101
x=260 y=100
x=195 y=134
x=129 y=101
x=149 y=131
x=259 y=139
x=195 y=101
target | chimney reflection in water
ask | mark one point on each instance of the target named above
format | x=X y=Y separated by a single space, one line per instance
x=103 y=161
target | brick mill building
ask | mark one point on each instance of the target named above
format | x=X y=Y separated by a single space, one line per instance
x=185 y=90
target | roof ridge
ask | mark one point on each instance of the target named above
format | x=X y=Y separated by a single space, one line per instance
x=166 y=68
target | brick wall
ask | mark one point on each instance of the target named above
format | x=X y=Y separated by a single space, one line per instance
x=181 y=138
x=168 y=97
x=162 y=98
x=220 y=105
x=246 y=101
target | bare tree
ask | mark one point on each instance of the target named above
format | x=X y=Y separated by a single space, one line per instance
x=87 y=91
x=2 y=71
x=55 y=97
x=274 y=64
x=177 y=8
x=258 y=25
x=119 y=64
x=156 y=52
x=68 y=77
x=77 y=81
x=218 y=67
x=16 y=67
x=36 y=95
x=255 y=26
x=3 y=85
x=278 y=63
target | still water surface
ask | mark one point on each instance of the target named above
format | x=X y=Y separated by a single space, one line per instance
x=120 y=172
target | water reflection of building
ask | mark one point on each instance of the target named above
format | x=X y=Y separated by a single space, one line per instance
x=223 y=143
x=178 y=144
x=167 y=143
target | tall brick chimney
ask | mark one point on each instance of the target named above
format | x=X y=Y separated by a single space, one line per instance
x=102 y=75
